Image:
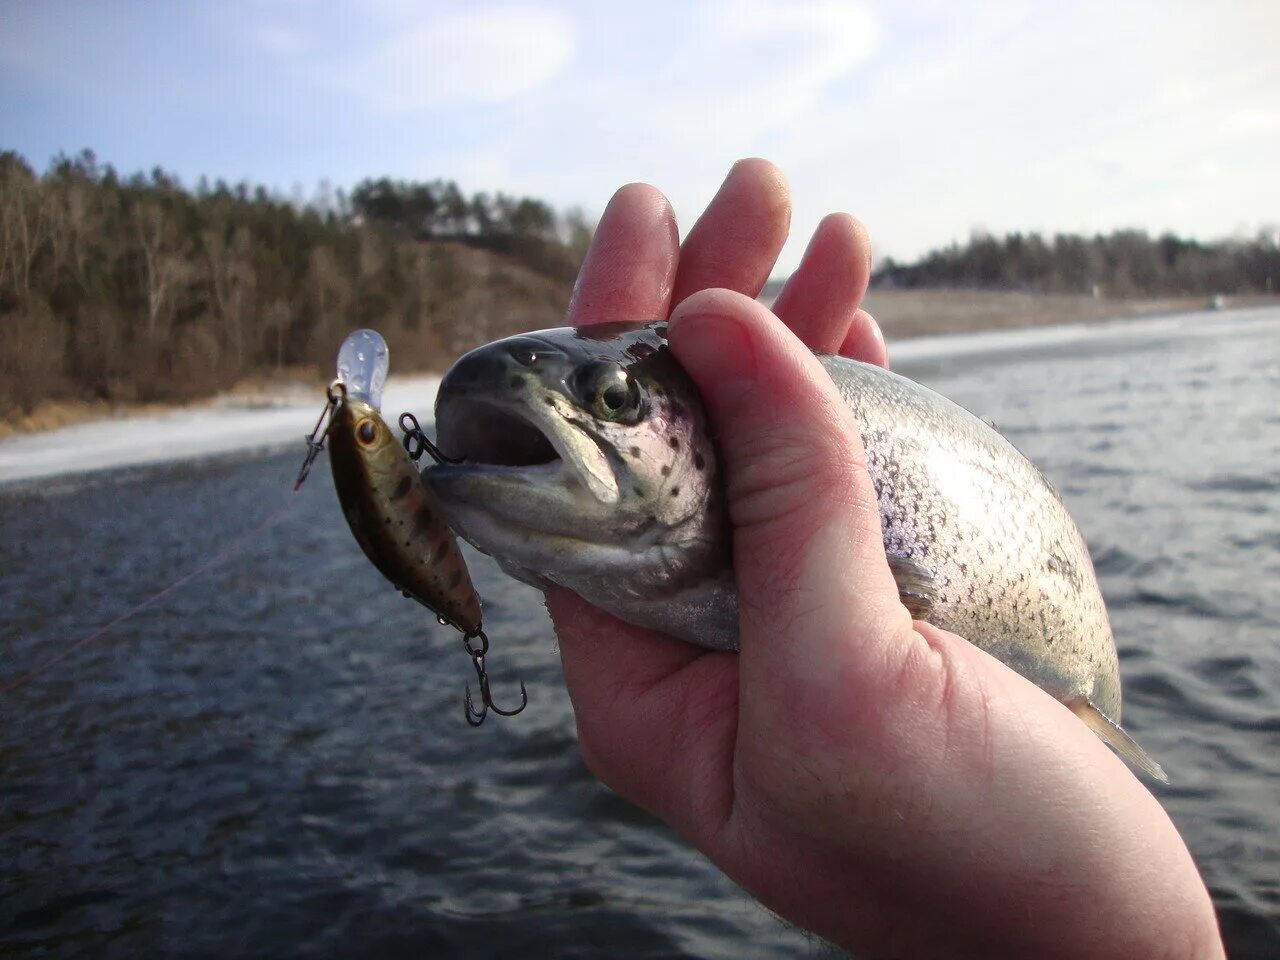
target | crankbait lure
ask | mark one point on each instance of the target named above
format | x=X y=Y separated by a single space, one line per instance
x=393 y=515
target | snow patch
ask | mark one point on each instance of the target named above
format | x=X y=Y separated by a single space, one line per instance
x=228 y=425
x=234 y=424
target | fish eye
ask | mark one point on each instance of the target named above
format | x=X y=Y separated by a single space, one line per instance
x=614 y=396
x=609 y=392
x=367 y=431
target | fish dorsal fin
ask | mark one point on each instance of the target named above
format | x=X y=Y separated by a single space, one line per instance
x=917 y=588
x=1121 y=742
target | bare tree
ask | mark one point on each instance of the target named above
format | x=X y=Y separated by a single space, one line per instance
x=24 y=223
x=164 y=266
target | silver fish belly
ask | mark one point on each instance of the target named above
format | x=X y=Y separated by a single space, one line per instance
x=1000 y=559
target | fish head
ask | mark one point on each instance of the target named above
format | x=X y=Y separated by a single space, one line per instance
x=586 y=461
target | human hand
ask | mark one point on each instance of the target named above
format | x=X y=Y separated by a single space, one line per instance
x=880 y=782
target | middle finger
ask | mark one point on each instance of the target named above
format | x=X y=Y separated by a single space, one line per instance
x=736 y=241
x=631 y=264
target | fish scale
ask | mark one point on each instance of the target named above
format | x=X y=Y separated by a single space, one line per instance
x=1010 y=570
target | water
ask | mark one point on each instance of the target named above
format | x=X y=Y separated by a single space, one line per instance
x=272 y=759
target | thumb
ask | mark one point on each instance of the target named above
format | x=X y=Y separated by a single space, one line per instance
x=808 y=550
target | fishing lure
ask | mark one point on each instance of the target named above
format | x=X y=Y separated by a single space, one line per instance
x=392 y=514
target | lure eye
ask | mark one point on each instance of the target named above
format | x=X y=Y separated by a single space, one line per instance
x=367 y=431
x=609 y=392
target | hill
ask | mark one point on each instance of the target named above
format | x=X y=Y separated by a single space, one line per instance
x=135 y=290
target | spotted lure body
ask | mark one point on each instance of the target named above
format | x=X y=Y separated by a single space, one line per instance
x=393 y=515
x=588 y=464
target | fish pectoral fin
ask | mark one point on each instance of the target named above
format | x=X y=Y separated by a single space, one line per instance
x=1121 y=742
x=917 y=588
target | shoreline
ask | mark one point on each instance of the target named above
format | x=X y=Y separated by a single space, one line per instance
x=223 y=425
x=908 y=314
x=903 y=315
x=270 y=419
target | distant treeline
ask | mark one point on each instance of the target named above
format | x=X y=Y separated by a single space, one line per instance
x=1125 y=263
x=523 y=228
x=136 y=289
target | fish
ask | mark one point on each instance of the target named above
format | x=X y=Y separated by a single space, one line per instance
x=393 y=515
x=587 y=461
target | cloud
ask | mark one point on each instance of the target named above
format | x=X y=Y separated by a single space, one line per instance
x=1022 y=116
x=486 y=55
x=645 y=100
x=749 y=68
x=279 y=40
x=806 y=45
x=924 y=117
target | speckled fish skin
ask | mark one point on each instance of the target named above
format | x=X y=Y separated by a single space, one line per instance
x=630 y=515
x=396 y=518
x=1010 y=570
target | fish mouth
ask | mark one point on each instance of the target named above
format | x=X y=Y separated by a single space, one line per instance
x=479 y=431
x=537 y=441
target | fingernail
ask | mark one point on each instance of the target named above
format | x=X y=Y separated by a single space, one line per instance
x=716 y=351
x=733 y=172
x=878 y=335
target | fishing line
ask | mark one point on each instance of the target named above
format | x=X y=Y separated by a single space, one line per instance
x=236 y=545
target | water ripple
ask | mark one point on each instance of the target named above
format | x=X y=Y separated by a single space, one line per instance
x=273 y=762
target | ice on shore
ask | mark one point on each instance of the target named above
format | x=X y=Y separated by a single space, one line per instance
x=230 y=425
x=1048 y=337
x=225 y=425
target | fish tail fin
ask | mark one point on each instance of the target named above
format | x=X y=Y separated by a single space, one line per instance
x=1121 y=742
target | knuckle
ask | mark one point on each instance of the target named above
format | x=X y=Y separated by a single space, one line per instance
x=789 y=473
x=937 y=683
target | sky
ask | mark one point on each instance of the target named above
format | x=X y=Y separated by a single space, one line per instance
x=926 y=119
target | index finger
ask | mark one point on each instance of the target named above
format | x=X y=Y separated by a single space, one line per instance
x=630 y=268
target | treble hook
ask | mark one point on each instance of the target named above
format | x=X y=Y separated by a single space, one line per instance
x=476 y=717
x=416 y=441
x=335 y=394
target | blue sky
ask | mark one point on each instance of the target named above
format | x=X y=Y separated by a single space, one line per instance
x=927 y=119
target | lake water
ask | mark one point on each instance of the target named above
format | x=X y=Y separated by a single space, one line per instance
x=271 y=760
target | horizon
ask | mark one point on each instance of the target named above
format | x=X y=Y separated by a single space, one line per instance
x=1080 y=121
